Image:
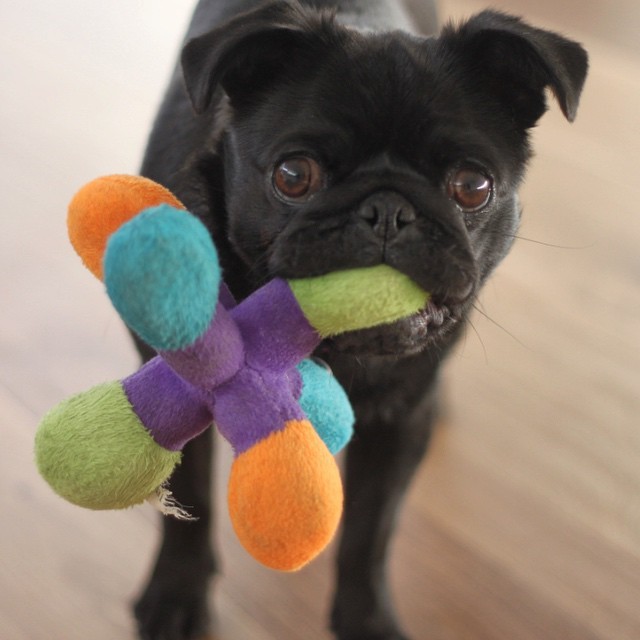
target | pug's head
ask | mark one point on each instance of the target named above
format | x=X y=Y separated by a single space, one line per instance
x=346 y=149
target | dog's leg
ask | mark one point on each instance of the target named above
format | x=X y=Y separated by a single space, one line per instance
x=381 y=462
x=174 y=604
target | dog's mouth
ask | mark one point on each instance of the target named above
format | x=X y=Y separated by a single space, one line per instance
x=407 y=336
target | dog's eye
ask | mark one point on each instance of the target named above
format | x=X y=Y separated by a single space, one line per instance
x=470 y=189
x=297 y=179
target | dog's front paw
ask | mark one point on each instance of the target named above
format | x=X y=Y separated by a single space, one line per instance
x=173 y=610
x=358 y=617
x=391 y=635
x=363 y=634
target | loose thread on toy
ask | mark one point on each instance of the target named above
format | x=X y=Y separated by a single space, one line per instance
x=162 y=499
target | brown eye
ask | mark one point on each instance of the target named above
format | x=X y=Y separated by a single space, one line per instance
x=297 y=178
x=471 y=189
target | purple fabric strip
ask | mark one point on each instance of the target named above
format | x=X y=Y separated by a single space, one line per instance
x=226 y=297
x=214 y=357
x=295 y=380
x=171 y=410
x=276 y=333
x=253 y=405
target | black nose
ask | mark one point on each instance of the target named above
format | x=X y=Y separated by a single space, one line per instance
x=387 y=212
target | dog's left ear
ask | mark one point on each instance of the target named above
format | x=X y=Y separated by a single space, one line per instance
x=516 y=62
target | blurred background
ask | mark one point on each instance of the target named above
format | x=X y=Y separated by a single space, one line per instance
x=523 y=524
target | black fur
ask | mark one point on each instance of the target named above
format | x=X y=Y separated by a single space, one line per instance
x=389 y=116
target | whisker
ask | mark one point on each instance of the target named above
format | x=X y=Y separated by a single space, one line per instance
x=480 y=303
x=482 y=344
x=543 y=243
x=497 y=324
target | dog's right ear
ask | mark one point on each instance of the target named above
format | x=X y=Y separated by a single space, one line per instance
x=249 y=52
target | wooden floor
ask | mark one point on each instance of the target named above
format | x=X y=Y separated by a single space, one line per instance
x=524 y=524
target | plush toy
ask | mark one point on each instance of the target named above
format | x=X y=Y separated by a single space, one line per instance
x=240 y=366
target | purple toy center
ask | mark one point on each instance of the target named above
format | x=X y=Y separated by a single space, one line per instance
x=172 y=410
x=276 y=334
x=253 y=405
x=240 y=373
x=214 y=357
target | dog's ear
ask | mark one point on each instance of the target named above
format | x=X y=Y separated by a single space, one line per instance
x=516 y=62
x=249 y=52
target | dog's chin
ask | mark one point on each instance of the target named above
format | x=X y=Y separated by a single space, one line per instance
x=428 y=328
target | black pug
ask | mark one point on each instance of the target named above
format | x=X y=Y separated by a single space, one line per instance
x=308 y=144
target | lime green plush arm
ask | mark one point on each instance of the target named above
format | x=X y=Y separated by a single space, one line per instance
x=357 y=298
